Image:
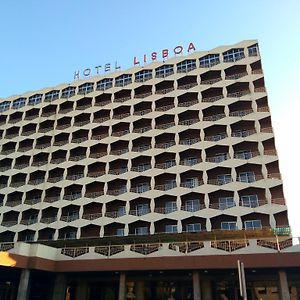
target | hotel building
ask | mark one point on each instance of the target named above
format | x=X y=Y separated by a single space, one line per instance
x=148 y=183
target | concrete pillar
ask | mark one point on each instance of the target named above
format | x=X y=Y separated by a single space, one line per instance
x=81 y=291
x=283 y=286
x=60 y=285
x=206 y=289
x=196 y=286
x=122 y=286
x=140 y=290
x=23 y=289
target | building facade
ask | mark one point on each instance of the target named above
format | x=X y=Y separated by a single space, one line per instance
x=157 y=170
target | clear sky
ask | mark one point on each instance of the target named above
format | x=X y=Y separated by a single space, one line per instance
x=43 y=42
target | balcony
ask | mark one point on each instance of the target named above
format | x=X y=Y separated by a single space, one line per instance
x=190 y=161
x=9 y=223
x=91 y=217
x=69 y=218
x=141 y=148
x=142 y=129
x=52 y=199
x=187 y=103
x=243 y=133
x=28 y=222
x=141 y=168
x=73 y=196
x=120 y=133
x=165 y=145
x=240 y=113
x=238 y=94
x=140 y=188
x=212 y=98
x=117 y=192
x=214 y=118
x=94 y=194
x=166 y=165
x=166 y=186
x=75 y=176
x=36 y=181
x=118 y=171
x=235 y=76
x=142 y=112
x=165 y=125
x=218 y=158
x=217 y=137
x=188 y=122
x=191 y=183
x=48 y=220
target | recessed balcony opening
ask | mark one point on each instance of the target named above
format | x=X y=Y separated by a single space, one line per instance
x=104 y=84
x=96 y=169
x=164 y=122
x=66 y=107
x=165 y=160
x=3 y=181
x=281 y=219
x=26 y=236
x=165 y=182
x=70 y=213
x=188 y=99
x=32 y=114
x=140 y=184
x=238 y=89
x=100 y=132
x=277 y=195
x=142 y=125
x=141 y=144
x=235 y=72
x=143 y=91
x=210 y=77
x=55 y=175
x=215 y=133
x=193 y=224
x=189 y=137
x=212 y=95
x=122 y=96
x=12 y=132
x=240 y=109
x=10 y=218
x=115 y=209
x=243 y=129
x=143 y=75
x=187 y=82
x=219 y=176
x=82 y=119
x=139 y=206
x=117 y=187
x=22 y=162
x=1 y=199
x=37 y=177
x=94 y=189
x=224 y=222
x=249 y=173
x=217 y=154
x=221 y=200
x=262 y=104
x=101 y=116
x=139 y=228
x=61 y=139
x=8 y=148
x=164 y=104
x=77 y=154
x=3 y=119
x=191 y=179
x=188 y=118
x=68 y=92
x=165 y=204
x=84 y=103
x=63 y=123
x=53 y=194
x=164 y=87
x=190 y=157
x=118 y=167
x=80 y=136
x=29 y=129
x=142 y=108
x=121 y=112
x=46 y=234
x=49 y=110
x=15 y=117
x=90 y=231
x=75 y=172
x=245 y=150
x=273 y=170
x=120 y=129
x=213 y=113
x=114 y=229
x=49 y=215
x=5 y=164
x=17 y=180
x=98 y=150
x=255 y=221
x=58 y=156
x=192 y=202
x=7 y=236
x=166 y=226
x=252 y=197
x=29 y=217
x=266 y=125
x=269 y=147
x=67 y=233
x=259 y=85
x=103 y=99
x=46 y=126
x=256 y=67
x=72 y=192
x=43 y=142
x=165 y=140
x=186 y=66
x=92 y=211
x=14 y=199
x=141 y=164
x=123 y=80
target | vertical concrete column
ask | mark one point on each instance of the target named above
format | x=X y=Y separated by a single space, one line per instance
x=60 y=285
x=23 y=289
x=122 y=286
x=140 y=290
x=81 y=291
x=283 y=286
x=206 y=289
x=196 y=286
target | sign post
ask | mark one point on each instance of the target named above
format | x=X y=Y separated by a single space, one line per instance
x=242 y=280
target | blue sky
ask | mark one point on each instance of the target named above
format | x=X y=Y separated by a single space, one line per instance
x=44 y=42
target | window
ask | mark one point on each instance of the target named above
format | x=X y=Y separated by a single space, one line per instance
x=226 y=202
x=191 y=182
x=86 y=88
x=229 y=226
x=253 y=224
x=196 y=227
x=253 y=50
x=141 y=231
x=143 y=75
x=186 y=66
x=164 y=71
x=142 y=187
x=35 y=99
x=68 y=92
x=29 y=237
x=171 y=228
x=170 y=163
x=73 y=215
x=123 y=80
x=170 y=184
x=75 y=195
x=247 y=177
x=223 y=179
x=243 y=154
x=209 y=60
x=52 y=95
x=170 y=206
x=192 y=205
x=233 y=55
x=142 y=209
x=123 y=189
x=19 y=103
x=249 y=201
x=104 y=84
x=120 y=232
x=70 y=235
x=143 y=167
x=121 y=211
x=4 y=105
x=219 y=157
x=190 y=161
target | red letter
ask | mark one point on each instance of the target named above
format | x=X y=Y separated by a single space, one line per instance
x=191 y=47
x=178 y=50
x=145 y=58
x=165 y=53
x=154 y=55
x=135 y=62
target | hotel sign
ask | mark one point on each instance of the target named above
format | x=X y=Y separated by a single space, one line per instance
x=154 y=56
